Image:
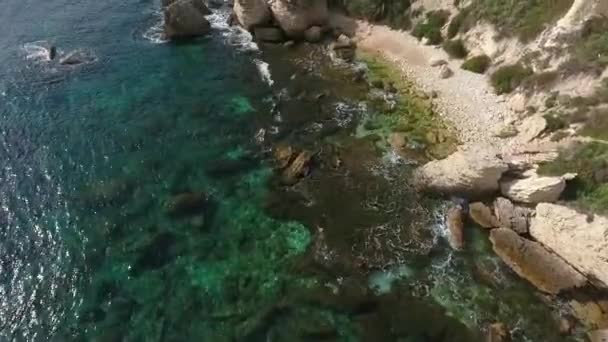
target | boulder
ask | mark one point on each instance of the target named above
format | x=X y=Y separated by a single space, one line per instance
x=498 y=332
x=511 y=217
x=598 y=335
x=531 y=261
x=251 y=13
x=482 y=215
x=268 y=34
x=313 y=34
x=471 y=171
x=581 y=240
x=518 y=103
x=445 y=72
x=298 y=168
x=295 y=17
x=532 y=127
x=283 y=155
x=435 y=62
x=533 y=189
x=186 y=18
x=455 y=224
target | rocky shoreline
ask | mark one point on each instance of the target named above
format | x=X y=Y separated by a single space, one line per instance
x=560 y=251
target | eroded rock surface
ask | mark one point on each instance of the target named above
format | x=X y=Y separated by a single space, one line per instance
x=251 y=13
x=533 y=188
x=482 y=215
x=510 y=216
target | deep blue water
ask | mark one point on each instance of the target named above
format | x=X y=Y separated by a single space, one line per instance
x=91 y=155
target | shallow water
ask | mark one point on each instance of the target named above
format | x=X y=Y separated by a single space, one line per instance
x=92 y=155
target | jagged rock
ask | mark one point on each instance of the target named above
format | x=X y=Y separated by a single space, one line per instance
x=313 y=34
x=531 y=261
x=482 y=215
x=510 y=216
x=283 y=155
x=298 y=168
x=186 y=18
x=582 y=241
x=435 y=62
x=445 y=72
x=186 y=203
x=268 y=34
x=532 y=127
x=295 y=17
x=455 y=224
x=533 y=188
x=518 y=103
x=498 y=332
x=251 y=13
x=472 y=171
x=598 y=335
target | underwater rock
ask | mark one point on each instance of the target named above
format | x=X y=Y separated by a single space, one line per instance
x=156 y=253
x=511 y=217
x=107 y=192
x=186 y=18
x=530 y=260
x=227 y=167
x=295 y=17
x=298 y=168
x=497 y=332
x=581 y=242
x=257 y=324
x=268 y=34
x=186 y=203
x=482 y=215
x=472 y=171
x=251 y=13
x=455 y=223
x=52 y=52
x=76 y=57
x=313 y=34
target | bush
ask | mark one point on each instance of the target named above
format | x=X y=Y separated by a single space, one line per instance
x=477 y=64
x=456 y=24
x=555 y=121
x=455 y=48
x=431 y=27
x=509 y=77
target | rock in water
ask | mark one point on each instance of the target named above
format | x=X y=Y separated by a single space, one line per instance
x=455 y=223
x=295 y=17
x=52 y=53
x=533 y=188
x=186 y=18
x=511 y=217
x=313 y=34
x=531 y=261
x=581 y=242
x=482 y=215
x=186 y=203
x=497 y=332
x=283 y=155
x=472 y=171
x=298 y=168
x=268 y=34
x=252 y=13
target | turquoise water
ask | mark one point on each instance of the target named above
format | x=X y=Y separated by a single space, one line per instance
x=93 y=156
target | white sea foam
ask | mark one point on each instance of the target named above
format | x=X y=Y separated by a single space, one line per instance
x=155 y=34
x=37 y=51
x=264 y=70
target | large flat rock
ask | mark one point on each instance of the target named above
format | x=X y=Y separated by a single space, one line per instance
x=533 y=189
x=531 y=261
x=578 y=238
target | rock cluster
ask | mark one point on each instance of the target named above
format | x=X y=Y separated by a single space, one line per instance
x=293 y=165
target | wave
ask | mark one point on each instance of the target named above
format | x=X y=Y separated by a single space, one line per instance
x=264 y=70
x=155 y=33
x=38 y=51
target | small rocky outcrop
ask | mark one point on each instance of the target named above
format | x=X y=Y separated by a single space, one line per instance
x=470 y=172
x=187 y=203
x=313 y=34
x=511 y=216
x=295 y=17
x=445 y=72
x=482 y=215
x=455 y=224
x=498 y=332
x=533 y=188
x=344 y=48
x=531 y=261
x=283 y=155
x=298 y=168
x=186 y=18
x=252 y=13
x=268 y=34
x=578 y=238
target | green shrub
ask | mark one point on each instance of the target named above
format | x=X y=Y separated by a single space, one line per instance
x=477 y=64
x=509 y=77
x=541 y=80
x=431 y=27
x=455 y=48
x=596 y=125
x=456 y=24
x=555 y=121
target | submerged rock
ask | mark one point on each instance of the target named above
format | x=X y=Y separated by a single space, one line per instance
x=533 y=188
x=298 y=168
x=455 y=223
x=186 y=203
x=482 y=215
x=581 y=242
x=186 y=18
x=471 y=172
x=511 y=217
x=531 y=261
x=268 y=34
x=251 y=13
x=313 y=34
